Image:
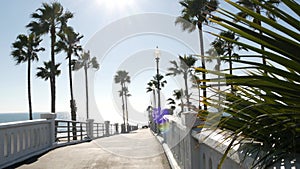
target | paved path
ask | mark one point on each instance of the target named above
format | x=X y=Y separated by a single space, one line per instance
x=139 y=149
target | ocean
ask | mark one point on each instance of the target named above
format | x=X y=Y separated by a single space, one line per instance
x=11 y=117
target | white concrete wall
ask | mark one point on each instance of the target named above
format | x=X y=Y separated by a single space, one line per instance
x=204 y=149
x=24 y=139
x=20 y=140
x=179 y=140
x=211 y=147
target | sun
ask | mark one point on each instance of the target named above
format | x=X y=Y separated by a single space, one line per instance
x=115 y=4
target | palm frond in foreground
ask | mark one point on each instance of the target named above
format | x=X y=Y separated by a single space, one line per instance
x=266 y=106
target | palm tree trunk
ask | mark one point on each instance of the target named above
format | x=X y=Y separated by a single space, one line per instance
x=219 y=84
x=186 y=91
x=203 y=63
x=52 y=78
x=72 y=101
x=261 y=33
x=72 y=106
x=263 y=56
x=181 y=106
x=29 y=89
x=123 y=108
x=154 y=99
x=86 y=92
x=126 y=108
x=230 y=67
x=153 y=124
x=199 y=95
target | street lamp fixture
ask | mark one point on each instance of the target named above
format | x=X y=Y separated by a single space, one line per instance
x=157 y=53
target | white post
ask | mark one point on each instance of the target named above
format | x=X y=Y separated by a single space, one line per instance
x=51 y=117
x=106 y=124
x=89 y=128
x=189 y=120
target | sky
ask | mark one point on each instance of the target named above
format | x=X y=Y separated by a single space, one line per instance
x=122 y=34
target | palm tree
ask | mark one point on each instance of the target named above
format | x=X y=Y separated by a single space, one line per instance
x=122 y=77
x=197 y=84
x=178 y=96
x=126 y=94
x=184 y=67
x=194 y=14
x=48 y=71
x=25 y=50
x=50 y=18
x=85 y=61
x=69 y=43
x=151 y=88
x=249 y=4
x=225 y=48
x=150 y=117
x=153 y=85
x=121 y=94
x=172 y=104
x=266 y=107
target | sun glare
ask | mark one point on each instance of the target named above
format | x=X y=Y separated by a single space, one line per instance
x=115 y=4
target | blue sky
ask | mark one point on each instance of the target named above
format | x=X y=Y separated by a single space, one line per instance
x=90 y=17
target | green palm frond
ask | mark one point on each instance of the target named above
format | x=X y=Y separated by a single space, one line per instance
x=195 y=12
x=193 y=15
x=49 y=15
x=26 y=48
x=49 y=70
x=150 y=86
x=171 y=101
x=122 y=77
x=184 y=65
x=265 y=106
x=124 y=91
x=85 y=61
x=178 y=94
x=69 y=41
x=94 y=63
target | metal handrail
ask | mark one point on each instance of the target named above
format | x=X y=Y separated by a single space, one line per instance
x=67 y=130
x=99 y=130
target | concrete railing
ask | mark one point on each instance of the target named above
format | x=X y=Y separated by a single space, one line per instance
x=179 y=140
x=25 y=139
x=193 y=149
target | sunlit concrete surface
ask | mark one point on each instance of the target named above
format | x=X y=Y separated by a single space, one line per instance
x=139 y=149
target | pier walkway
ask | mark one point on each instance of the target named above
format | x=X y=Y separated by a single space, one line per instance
x=138 y=149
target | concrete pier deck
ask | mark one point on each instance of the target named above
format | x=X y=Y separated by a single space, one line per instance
x=139 y=149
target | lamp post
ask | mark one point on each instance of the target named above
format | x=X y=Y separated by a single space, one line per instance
x=157 y=55
x=153 y=124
